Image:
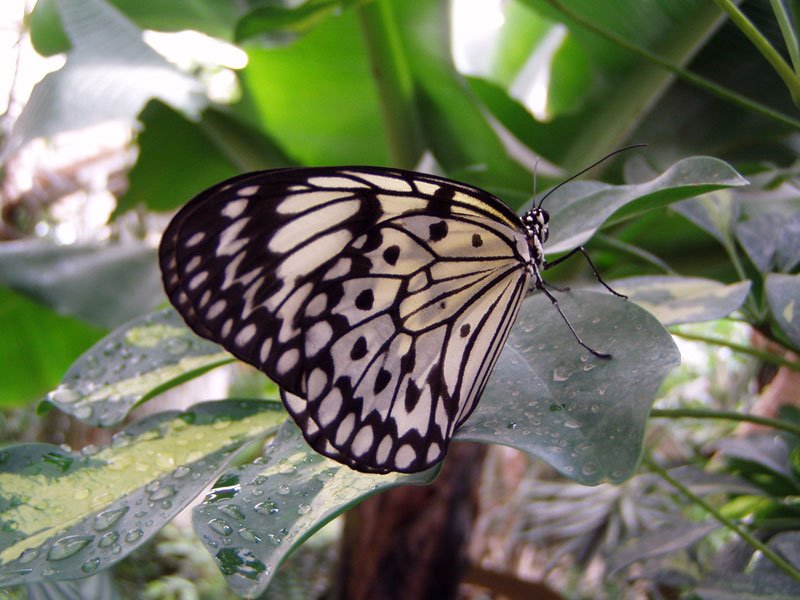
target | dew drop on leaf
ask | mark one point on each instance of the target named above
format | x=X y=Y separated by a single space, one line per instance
x=68 y=546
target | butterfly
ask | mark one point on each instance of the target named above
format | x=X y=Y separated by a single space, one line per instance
x=378 y=299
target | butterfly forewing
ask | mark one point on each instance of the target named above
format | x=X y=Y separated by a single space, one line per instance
x=377 y=299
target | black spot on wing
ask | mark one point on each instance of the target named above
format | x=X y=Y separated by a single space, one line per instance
x=391 y=254
x=365 y=300
x=437 y=231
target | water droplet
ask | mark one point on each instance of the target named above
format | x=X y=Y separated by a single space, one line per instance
x=12 y=576
x=266 y=507
x=152 y=486
x=105 y=519
x=90 y=566
x=589 y=469
x=64 y=395
x=511 y=425
x=274 y=539
x=177 y=345
x=284 y=489
x=221 y=422
x=233 y=511
x=82 y=411
x=571 y=424
x=68 y=546
x=121 y=440
x=220 y=526
x=303 y=509
x=107 y=539
x=248 y=535
x=133 y=535
x=180 y=472
x=28 y=555
x=162 y=493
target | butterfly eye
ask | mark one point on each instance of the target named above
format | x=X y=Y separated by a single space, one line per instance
x=545 y=216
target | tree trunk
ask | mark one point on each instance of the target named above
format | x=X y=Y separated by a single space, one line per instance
x=410 y=543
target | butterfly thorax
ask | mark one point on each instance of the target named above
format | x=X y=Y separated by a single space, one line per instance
x=535 y=223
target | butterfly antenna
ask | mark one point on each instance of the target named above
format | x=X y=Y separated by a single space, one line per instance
x=589 y=168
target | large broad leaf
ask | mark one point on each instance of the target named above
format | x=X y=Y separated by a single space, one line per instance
x=209 y=16
x=783 y=296
x=316 y=96
x=103 y=284
x=38 y=346
x=69 y=514
x=674 y=300
x=551 y=398
x=578 y=209
x=135 y=362
x=597 y=113
x=110 y=74
x=179 y=157
x=256 y=515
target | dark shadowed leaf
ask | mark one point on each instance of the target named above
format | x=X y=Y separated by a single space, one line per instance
x=783 y=295
x=551 y=398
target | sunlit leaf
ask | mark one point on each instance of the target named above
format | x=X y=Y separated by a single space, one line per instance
x=133 y=363
x=69 y=514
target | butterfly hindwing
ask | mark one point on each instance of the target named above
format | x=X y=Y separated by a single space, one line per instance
x=377 y=299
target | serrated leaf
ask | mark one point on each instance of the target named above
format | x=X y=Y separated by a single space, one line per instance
x=110 y=74
x=674 y=300
x=783 y=296
x=551 y=398
x=69 y=514
x=258 y=513
x=135 y=362
x=578 y=209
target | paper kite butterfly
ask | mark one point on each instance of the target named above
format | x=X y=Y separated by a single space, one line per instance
x=377 y=299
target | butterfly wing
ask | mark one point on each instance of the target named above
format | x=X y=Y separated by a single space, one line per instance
x=378 y=299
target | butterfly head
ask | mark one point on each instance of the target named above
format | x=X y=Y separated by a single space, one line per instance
x=536 y=230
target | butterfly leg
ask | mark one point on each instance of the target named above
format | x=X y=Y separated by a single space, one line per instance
x=541 y=285
x=591 y=264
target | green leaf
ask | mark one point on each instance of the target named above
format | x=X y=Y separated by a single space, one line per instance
x=110 y=74
x=549 y=397
x=578 y=209
x=783 y=296
x=453 y=122
x=772 y=241
x=317 y=98
x=41 y=348
x=674 y=300
x=599 y=115
x=278 y=25
x=179 y=158
x=68 y=514
x=103 y=284
x=209 y=16
x=257 y=514
x=135 y=362
x=715 y=213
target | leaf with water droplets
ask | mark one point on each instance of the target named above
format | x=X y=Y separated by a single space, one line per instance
x=67 y=514
x=583 y=415
x=257 y=514
x=132 y=364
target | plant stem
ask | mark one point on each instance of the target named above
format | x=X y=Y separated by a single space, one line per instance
x=687 y=76
x=394 y=81
x=760 y=354
x=780 y=66
x=789 y=34
x=768 y=552
x=703 y=413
